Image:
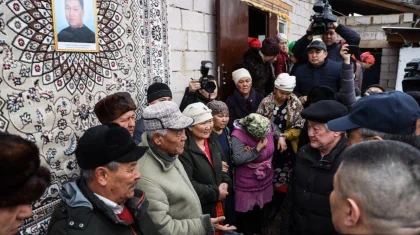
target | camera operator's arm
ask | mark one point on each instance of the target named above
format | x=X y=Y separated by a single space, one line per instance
x=347 y=95
x=190 y=95
x=352 y=37
x=301 y=44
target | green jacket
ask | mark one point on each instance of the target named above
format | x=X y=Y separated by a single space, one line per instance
x=203 y=176
x=82 y=213
x=174 y=205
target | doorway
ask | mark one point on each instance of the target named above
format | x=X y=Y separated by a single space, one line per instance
x=257 y=26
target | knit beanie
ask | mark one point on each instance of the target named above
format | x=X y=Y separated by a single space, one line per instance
x=367 y=57
x=291 y=45
x=113 y=106
x=218 y=107
x=240 y=73
x=158 y=90
x=199 y=112
x=254 y=43
x=285 y=82
x=23 y=179
x=256 y=125
x=280 y=36
x=270 y=47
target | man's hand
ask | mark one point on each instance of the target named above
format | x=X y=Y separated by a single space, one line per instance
x=194 y=86
x=345 y=53
x=262 y=144
x=223 y=191
x=216 y=224
x=334 y=25
x=225 y=167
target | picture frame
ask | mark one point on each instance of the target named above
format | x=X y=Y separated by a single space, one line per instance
x=75 y=25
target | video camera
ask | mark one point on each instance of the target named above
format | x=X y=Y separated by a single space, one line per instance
x=411 y=80
x=206 y=80
x=323 y=17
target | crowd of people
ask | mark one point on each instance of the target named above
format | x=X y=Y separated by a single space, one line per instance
x=297 y=138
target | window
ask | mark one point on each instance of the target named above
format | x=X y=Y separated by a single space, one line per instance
x=282 y=26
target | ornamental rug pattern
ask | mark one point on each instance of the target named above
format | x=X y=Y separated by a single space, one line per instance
x=48 y=97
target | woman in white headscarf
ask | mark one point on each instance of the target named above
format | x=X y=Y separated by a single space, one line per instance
x=282 y=64
x=283 y=108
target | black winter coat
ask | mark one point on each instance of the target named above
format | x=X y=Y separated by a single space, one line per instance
x=349 y=35
x=262 y=73
x=308 y=76
x=204 y=178
x=80 y=219
x=239 y=107
x=306 y=210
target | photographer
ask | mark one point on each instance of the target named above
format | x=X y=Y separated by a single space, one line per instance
x=321 y=71
x=203 y=90
x=329 y=37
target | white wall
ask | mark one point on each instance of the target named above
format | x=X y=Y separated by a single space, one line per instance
x=406 y=55
x=192 y=38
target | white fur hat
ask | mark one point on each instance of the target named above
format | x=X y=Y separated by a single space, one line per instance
x=199 y=112
x=240 y=73
x=285 y=82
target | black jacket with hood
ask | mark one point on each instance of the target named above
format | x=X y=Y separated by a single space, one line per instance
x=82 y=213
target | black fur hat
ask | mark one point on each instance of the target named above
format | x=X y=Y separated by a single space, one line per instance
x=22 y=178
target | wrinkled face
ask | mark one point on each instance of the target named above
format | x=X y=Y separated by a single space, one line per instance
x=244 y=86
x=202 y=130
x=212 y=95
x=317 y=57
x=74 y=13
x=128 y=121
x=220 y=121
x=354 y=137
x=11 y=218
x=329 y=37
x=281 y=96
x=319 y=136
x=160 y=100
x=337 y=203
x=173 y=142
x=283 y=45
x=122 y=181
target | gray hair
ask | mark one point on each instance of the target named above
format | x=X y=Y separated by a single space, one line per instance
x=88 y=174
x=384 y=176
x=408 y=139
x=162 y=132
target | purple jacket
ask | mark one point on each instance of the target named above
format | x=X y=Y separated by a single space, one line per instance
x=258 y=174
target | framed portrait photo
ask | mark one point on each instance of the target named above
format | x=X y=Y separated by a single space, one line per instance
x=75 y=25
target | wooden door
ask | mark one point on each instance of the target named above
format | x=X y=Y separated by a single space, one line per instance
x=232 y=41
x=272 y=26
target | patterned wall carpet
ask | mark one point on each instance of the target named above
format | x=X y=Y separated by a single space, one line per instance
x=48 y=97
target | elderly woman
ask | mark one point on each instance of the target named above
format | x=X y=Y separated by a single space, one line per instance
x=245 y=99
x=253 y=148
x=220 y=113
x=283 y=108
x=202 y=160
x=282 y=64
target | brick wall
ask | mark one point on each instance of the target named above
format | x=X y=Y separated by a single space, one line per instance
x=192 y=38
x=299 y=17
x=389 y=68
x=372 y=35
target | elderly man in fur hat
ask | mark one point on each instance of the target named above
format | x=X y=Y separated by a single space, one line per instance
x=22 y=179
x=117 y=108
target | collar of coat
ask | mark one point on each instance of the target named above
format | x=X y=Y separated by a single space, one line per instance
x=309 y=153
x=78 y=216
